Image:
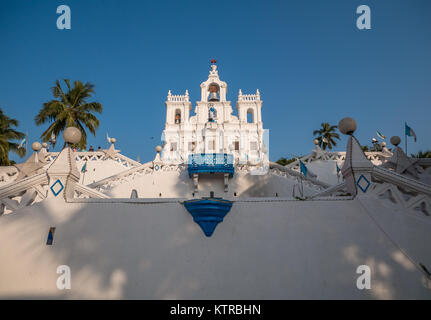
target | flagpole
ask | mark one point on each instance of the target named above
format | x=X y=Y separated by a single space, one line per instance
x=405 y=135
x=26 y=145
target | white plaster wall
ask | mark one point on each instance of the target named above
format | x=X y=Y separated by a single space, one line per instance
x=98 y=170
x=173 y=184
x=262 y=250
x=326 y=171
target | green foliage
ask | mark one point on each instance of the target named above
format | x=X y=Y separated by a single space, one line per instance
x=8 y=138
x=422 y=154
x=70 y=108
x=284 y=161
x=326 y=136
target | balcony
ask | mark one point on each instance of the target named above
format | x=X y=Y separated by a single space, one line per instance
x=210 y=163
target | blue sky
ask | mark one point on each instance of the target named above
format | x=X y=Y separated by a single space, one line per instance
x=308 y=59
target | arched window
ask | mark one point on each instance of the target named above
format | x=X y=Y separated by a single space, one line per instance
x=250 y=116
x=177 y=116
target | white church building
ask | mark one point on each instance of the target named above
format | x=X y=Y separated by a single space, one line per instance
x=210 y=217
x=213 y=128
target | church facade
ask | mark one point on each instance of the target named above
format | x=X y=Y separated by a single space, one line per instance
x=213 y=128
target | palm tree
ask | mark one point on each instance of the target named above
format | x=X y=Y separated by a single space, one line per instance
x=326 y=135
x=70 y=108
x=7 y=136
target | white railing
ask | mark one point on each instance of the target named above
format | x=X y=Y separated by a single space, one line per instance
x=376 y=158
x=96 y=156
x=178 y=98
x=248 y=97
x=298 y=175
x=85 y=192
x=401 y=180
x=16 y=195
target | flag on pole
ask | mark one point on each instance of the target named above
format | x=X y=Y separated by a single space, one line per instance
x=305 y=171
x=108 y=138
x=380 y=135
x=84 y=167
x=410 y=132
x=338 y=169
x=303 y=168
x=22 y=143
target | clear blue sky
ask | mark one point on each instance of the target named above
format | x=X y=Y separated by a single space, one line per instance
x=308 y=59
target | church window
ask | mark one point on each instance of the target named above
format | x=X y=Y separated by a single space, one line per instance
x=250 y=116
x=211 y=145
x=192 y=146
x=177 y=116
x=173 y=146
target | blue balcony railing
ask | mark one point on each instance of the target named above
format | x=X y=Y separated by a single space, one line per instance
x=210 y=163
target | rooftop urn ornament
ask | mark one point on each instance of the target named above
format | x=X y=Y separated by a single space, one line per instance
x=395 y=140
x=318 y=152
x=347 y=126
x=32 y=165
x=385 y=150
x=36 y=146
x=400 y=162
x=157 y=162
x=357 y=168
x=63 y=173
x=41 y=148
x=72 y=135
x=111 y=152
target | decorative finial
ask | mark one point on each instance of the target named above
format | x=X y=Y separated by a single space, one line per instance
x=110 y=140
x=395 y=140
x=72 y=135
x=169 y=93
x=213 y=61
x=187 y=92
x=36 y=146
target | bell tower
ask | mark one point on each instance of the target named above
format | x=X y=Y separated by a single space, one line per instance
x=177 y=108
x=249 y=108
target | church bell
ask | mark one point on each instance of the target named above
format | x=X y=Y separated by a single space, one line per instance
x=213 y=93
x=213 y=96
